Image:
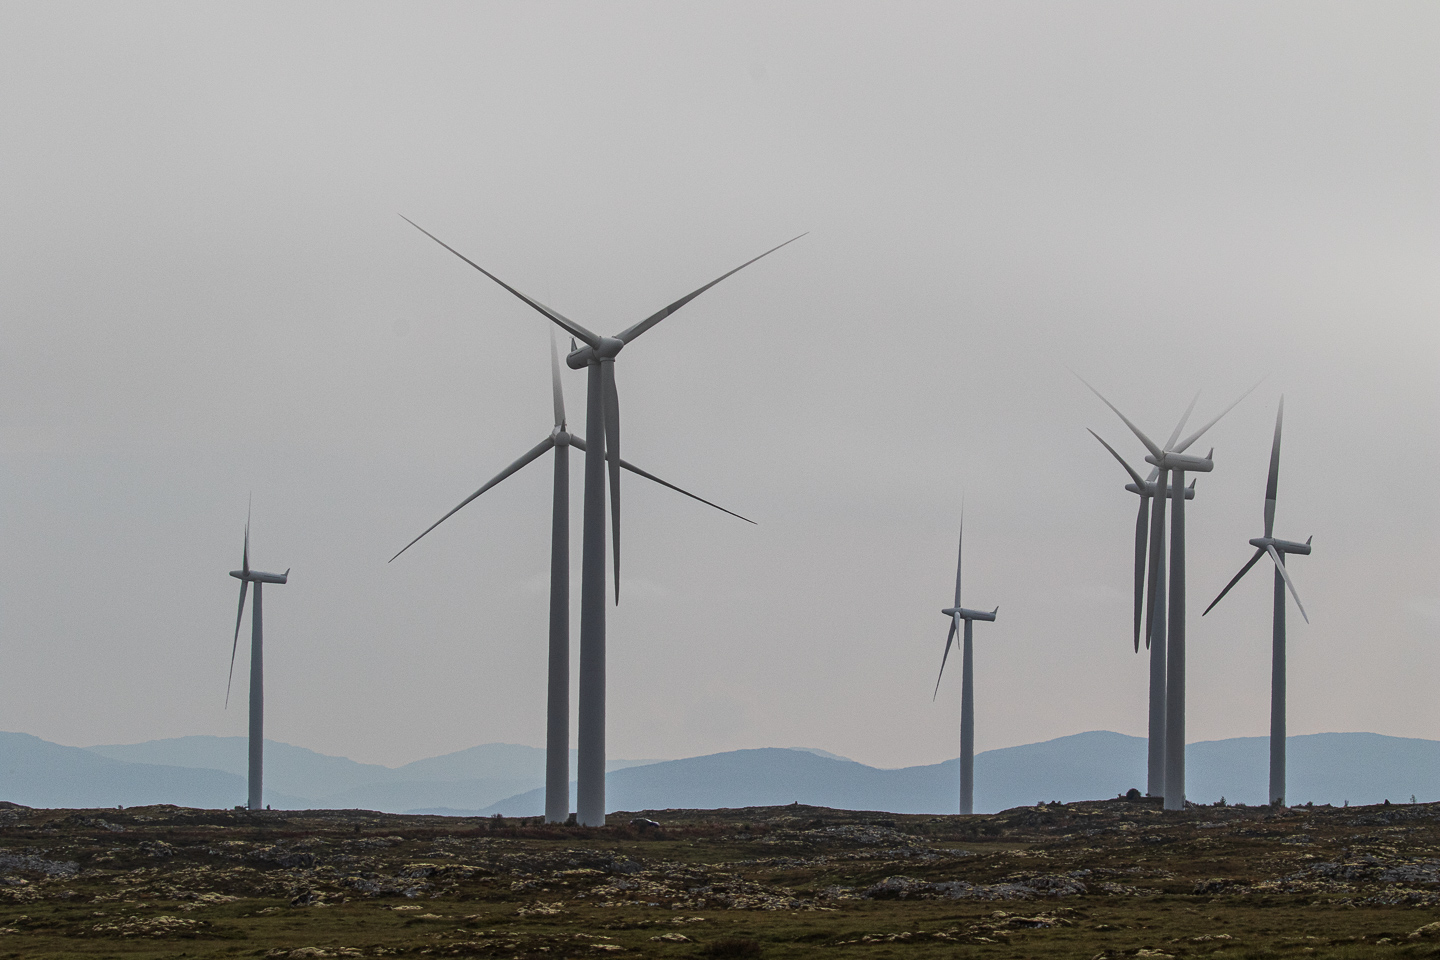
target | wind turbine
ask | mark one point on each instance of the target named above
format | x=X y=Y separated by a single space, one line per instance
x=602 y=439
x=1155 y=631
x=246 y=576
x=1277 y=549
x=557 y=712
x=957 y=614
x=1172 y=459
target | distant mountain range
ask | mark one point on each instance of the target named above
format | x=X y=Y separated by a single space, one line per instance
x=296 y=777
x=506 y=778
x=1325 y=768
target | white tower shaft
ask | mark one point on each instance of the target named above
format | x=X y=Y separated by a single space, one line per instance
x=590 y=774
x=967 y=722
x=1277 y=694
x=257 y=706
x=1175 y=655
x=557 y=713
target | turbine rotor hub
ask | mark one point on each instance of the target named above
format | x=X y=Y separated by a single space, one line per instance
x=1281 y=546
x=256 y=576
x=605 y=349
x=1180 y=461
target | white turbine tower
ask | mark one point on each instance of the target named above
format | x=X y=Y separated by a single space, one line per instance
x=557 y=712
x=1154 y=625
x=1167 y=460
x=1276 y=549
x=246 y=576
x=957 y=615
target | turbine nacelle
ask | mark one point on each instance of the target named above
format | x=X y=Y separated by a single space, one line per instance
x=255 y=576
x=1169 y=460
x=1282 y=546
x=605 y=348
x=1149 y=490
x=965 y=614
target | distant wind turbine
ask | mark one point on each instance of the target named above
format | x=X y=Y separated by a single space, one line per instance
x=957 y=614
x=1277 y=549
x=1155 y=633
x=602 y=439
x=1167 y=460
x=246 y=576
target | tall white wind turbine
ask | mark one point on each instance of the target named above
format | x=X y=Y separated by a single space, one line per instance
x=246 y=576
x=557 y=712
x=1172 y=459
x=958 y=615
x=1276 y=550
x=1147 y=490
x=602 y=440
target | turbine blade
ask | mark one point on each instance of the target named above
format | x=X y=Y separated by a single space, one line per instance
x=1272 y=483
x=579 y=444
x=959 y=557
x=1155 y=451
x=555 y=383
x=234 y=644
x=665 y=483
x=612 y=454
x=534 y=452
x=1201 y=432
x=1142 y=533
x=1175 y=434
x=1285 y=575
x=554 y=316
x=245 y=556
x=1235 y=579
x=954 y=626
x=1157 y=549
x=1128 y=469
x=630 y=333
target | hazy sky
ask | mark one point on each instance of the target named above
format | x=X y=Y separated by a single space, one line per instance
x=208 y=293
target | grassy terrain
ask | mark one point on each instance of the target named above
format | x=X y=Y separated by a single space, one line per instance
x=1104 y=879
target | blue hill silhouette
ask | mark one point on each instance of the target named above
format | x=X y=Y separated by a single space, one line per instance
x=505 y=778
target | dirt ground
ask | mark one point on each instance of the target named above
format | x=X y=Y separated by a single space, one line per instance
x=1117 y=878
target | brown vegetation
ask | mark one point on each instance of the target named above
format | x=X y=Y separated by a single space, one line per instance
x=1118 y=878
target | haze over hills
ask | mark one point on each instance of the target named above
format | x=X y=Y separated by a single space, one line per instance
x=290 y=770
x=1324 y=768
x=506 y=778
x=39 y=773
x=474 y=776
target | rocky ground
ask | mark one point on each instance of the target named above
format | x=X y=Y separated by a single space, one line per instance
x=1093 y=880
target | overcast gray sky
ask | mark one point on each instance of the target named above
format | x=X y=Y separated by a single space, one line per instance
x=208 y=293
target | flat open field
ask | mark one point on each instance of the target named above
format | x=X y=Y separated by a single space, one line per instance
x=1102 y=879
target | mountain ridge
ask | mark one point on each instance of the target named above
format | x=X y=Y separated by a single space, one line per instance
x=1324 y=768
x=1336 y=768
